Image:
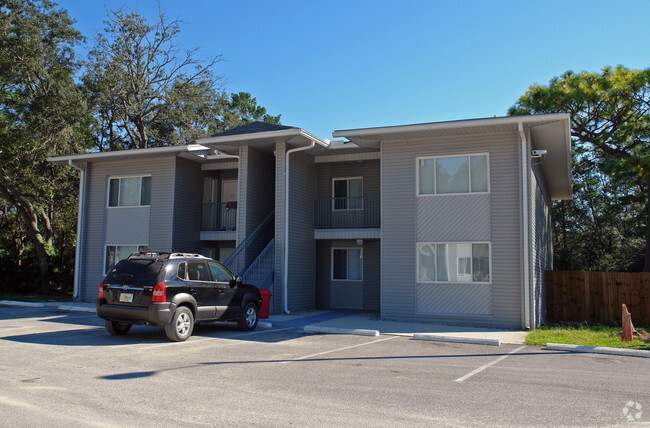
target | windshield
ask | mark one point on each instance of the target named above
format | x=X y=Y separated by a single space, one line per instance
x=139 y=272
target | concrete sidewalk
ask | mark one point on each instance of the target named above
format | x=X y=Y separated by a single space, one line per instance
x=342 y=322
x=354 y=320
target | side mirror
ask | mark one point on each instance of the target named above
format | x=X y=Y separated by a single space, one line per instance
x=235 y=281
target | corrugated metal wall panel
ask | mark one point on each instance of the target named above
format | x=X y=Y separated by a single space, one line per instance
x=400 y=217
x=188 y=195
x=161 y=170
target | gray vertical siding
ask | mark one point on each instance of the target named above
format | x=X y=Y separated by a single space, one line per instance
x=258 y=194
x=407 y=219
x=188 y=194
x=368 y=169
x=542 y=251
x=161 y=170
x=280 y=154
x=348 y=294
x=302 y=246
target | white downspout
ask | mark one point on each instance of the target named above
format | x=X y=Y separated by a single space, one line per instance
x=526 y=226
x=80 y=219
x=285 y=267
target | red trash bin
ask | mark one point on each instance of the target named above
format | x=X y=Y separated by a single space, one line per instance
x=266 y=301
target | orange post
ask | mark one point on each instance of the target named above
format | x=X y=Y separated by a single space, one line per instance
x=628 y=329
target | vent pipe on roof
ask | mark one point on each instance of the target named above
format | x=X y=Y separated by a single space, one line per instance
x=285 y=258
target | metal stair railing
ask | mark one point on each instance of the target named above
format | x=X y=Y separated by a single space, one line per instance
x=236 y=261
x=260 y=272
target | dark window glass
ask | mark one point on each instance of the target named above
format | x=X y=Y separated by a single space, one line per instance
x=145 y=191
x=113 y=192
x=340 y=264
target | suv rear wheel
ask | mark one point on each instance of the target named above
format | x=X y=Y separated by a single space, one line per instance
x=181 y=325
x=248 y=318
x=117 y=328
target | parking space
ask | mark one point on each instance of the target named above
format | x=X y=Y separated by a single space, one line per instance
x=65 y=368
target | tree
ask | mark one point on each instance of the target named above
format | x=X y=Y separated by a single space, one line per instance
x=144 y=91
x=242 y=108
x=610 y=114
x=42 y=113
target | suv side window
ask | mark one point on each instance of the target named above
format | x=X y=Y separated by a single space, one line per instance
x=181 y=271
x=219 y=273
x=197 y=271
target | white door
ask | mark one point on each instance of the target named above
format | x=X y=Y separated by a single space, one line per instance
x=229 y=204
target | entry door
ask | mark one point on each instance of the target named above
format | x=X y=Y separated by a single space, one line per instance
x=229 y=204
x=210 y=211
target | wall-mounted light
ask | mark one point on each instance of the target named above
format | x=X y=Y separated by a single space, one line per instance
x=359 y=242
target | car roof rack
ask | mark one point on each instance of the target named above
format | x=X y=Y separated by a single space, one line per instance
x=166 y=255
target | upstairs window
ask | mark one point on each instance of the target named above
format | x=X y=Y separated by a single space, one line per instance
x=348 y=193
x=453 y=175
x=129 y=191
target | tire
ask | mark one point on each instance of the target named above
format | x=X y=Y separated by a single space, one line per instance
x=117 y=328
x=181 y=325
x=248 y=319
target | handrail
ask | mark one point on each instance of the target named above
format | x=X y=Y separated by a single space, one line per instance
x=256 y=267
x=242 y=246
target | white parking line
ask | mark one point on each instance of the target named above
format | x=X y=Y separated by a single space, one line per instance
x=337 y=350
x=491 y=363
x=215 y=338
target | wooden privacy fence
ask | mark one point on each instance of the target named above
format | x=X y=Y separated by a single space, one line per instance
x=596 y=297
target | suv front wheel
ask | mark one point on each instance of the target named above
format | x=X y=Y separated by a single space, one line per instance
x=181 y=325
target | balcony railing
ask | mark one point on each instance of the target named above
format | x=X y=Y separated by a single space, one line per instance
x=219 y=216
x=347 y=213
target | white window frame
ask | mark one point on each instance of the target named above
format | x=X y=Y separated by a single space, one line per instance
x=347 y=264
x=347 y=180
x=435 y=185
x=139 y=248
x=471 y=281
x=108 y=192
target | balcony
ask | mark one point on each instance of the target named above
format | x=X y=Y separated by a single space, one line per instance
x=219 y=216
x=361 y=212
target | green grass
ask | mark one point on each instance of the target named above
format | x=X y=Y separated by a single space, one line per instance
x=584 y=334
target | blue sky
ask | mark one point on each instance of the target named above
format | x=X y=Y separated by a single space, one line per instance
x=328 y=65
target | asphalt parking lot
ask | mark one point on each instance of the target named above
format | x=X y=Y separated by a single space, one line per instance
x=64 y=369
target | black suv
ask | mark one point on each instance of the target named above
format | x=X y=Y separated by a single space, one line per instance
x=174 y=291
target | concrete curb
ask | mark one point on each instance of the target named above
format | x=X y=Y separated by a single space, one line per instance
x=25 y=304
x=598 y=350
x=456 y=339
x=332 y=330
x=69 y=308
x=264 y=324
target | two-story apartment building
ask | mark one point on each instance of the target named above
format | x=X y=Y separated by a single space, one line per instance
x=436 y=222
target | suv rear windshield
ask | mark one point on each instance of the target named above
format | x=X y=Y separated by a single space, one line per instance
x=138 y=272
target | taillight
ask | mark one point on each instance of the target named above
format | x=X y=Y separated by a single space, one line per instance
x=159 y=293
x=101 y=290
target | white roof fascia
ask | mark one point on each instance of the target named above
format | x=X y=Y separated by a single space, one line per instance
x=465 y=123
x=127 y=153
x=285 y=133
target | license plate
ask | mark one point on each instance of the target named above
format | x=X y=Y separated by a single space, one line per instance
x=126 y=297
